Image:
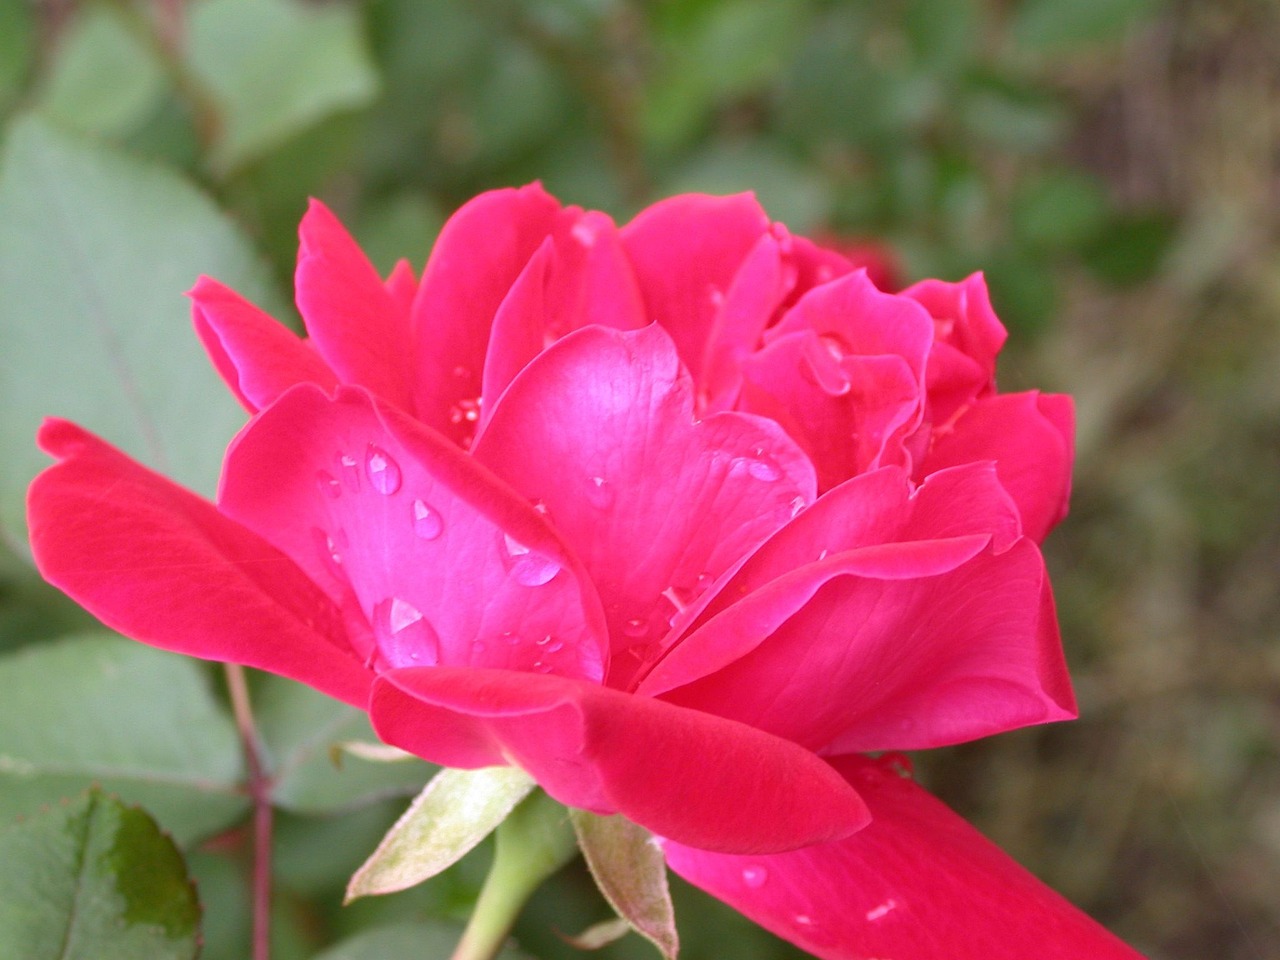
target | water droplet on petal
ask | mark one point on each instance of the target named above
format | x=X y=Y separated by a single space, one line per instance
x=541 y=666
x=886 y=908
x=465 y=411
x=350 y=471
x=635 y=628
x=330 y=556
x=328 y=484
x=584 y=233
x=427 y=522
x=529 y=568
x=803 y=919
x=511 y=637
x=837 y=346
x=754 y=876
x=763 y=467
x=600 y=493
x=405 y=637
x=797 y=504
x=383 y=471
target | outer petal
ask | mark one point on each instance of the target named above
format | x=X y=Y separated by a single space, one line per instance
x=1029 y=436
x=445 y=562
x=686 y=251
x=156 y=562
x=599 y=430
x=902 y=647
x=713 y=783
x=257 y=356
x=478 y=256
x=917 y=884
x=353 y=319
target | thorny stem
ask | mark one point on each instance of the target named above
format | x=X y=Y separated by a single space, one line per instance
x=260 y=795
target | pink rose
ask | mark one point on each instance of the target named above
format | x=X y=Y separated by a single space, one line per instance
x=681 y=518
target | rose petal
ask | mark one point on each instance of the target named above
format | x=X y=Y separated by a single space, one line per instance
x=479 y=254
x=714 y=783
x=257 y=356
x=353 y=320
x=844 y=372
x=686 y=251
x=1028 y=435
x=599 y=430
x=158 y=563
x=444 y=561
x=898 y=647
x=919 y=882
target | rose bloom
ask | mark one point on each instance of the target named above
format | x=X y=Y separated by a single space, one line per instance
x=684 y=519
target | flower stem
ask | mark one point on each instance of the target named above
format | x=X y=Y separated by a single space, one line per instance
x=532 y=844
x=260 y=794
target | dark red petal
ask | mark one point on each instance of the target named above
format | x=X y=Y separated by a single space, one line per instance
x=445 y=562
x=257 y=356
x=599 y=430
x=686 y=251
x=159 y=564
x=919 y=883
x=355 y=323
x=716 y=784
x=1029 y=436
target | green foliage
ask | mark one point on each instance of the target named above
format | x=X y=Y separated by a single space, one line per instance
x=96 y=708
x=96 y=250
x=92 y=879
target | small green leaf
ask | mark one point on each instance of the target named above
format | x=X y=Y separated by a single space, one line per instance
x=457 y=810
x=276 y=67
x=97 y=708
x=302 y=729
x=94 y=880
x=105 y=79
x=96 y=250
x=631 y=873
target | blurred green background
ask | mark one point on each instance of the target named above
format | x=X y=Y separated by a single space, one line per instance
x=1113 y=166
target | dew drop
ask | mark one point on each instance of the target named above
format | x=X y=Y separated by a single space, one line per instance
x=328 y=484
x=543 y=641
x=405 y=637
x=763 y=467
x=584 y=233
x=427 y=522
x=383 y=471
x=541 y=666
x=755 y=876
x=716 y=296
x=529 y=568
x=600 y=493
x=465 y=411
x=886 y=908
x=803 y=919
x=330 y=556
x=350 y=471
x=635 y=628
x=835 y=345
x=511 y=637
x=797 y=504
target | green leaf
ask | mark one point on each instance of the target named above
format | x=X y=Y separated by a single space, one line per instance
x=275 y=67
x=97 y=708
x=405 y=940
x=631 y=873
x=105 y=78
x=96 y=250
x=1042 y=25
x=1059 y=209
x=302 y=730
x=94 y=880
x=791 y=192
x=457 y=810
x=17 y=47
x=1131 y=248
